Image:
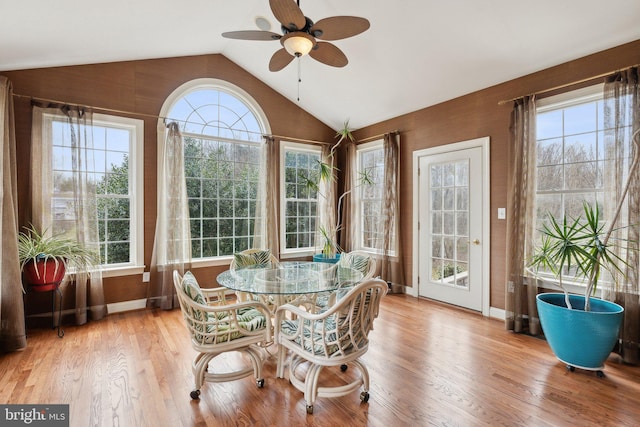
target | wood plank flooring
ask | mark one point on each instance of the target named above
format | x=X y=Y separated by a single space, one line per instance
x=430 y=364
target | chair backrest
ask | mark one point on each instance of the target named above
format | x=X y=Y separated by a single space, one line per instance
x=361 y=261
x=346 y=325
x=211 y=320
x=253 y=258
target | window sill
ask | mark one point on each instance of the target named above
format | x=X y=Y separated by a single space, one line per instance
x=298 y=254
x=212 y=262
x=571 y=287
x=122 y=271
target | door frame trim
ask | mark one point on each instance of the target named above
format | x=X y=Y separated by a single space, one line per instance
x=483 y=143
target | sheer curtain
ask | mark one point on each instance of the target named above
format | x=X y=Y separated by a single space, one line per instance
x=172 y=244
x=622 y=141
x=521 y=313
x=78 y=136
x=392 y=267
x=266 y=216
x=12 y=334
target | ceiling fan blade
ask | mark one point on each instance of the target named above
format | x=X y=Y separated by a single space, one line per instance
x=329 y=54
x=288 y=13
x=279 y=60
x=339 y=27
x=252 y=35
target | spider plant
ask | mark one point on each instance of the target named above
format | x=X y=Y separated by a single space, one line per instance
x=38 y=246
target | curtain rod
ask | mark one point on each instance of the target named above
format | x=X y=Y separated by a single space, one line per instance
x=371 y=138
x=153 y=116
x=292 y=139
x=599 y=76
x=110 y=110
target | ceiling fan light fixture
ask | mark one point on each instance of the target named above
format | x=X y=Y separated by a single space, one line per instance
x=297 y=43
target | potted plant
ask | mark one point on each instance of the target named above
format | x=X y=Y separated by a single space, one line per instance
x=327 y=175
x=45 y=259
x=580 y=329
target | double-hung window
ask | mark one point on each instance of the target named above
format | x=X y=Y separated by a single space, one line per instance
x=299 y=202
x=115 y=173
x=369 y=197
x=570 y=156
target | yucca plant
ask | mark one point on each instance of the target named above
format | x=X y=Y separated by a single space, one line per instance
x=579 y=246
x=327 y=173
x=38 y=247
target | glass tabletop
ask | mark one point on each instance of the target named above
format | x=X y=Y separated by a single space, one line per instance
x=289 y=278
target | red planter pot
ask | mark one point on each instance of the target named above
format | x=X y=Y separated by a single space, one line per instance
x=43 y=276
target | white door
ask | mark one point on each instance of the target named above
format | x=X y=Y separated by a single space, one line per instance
x=451 y=227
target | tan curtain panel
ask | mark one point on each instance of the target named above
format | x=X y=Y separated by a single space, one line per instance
x=172 y=244
x=521 y=314
x=89 y=293
x=266 y=234
x=392 y=266
x=347 y=214
x=621 y=145
x=12 y=333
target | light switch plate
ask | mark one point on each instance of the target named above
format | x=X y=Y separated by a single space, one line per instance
x=146 y=276
x=502 y=213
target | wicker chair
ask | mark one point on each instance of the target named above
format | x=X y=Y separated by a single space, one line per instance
x=334 y=337
x=361 y=261
x=252 y=258
x=217 y=326
x=357 y=260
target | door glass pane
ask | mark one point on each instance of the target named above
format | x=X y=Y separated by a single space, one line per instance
x=450 y=223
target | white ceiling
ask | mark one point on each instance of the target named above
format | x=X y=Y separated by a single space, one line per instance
x=417 y=53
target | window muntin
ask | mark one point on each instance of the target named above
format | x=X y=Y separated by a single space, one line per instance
x=117 y=145
x=222 y=132
x=222 y=189
x=299 y=203
x=571 y=157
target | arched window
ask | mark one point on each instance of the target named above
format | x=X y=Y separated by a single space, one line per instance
x=222 y=128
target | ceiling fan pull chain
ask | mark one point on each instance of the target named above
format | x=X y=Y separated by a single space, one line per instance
x=299 y=77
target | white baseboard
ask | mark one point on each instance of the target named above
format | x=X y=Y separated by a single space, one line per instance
x=118 y=307
x=497 y=313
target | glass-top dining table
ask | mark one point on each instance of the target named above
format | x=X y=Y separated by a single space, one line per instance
x=297 y=282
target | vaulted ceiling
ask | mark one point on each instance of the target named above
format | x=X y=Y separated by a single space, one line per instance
x=417 y=53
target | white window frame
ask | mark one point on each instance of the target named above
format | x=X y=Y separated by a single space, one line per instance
x=135 y=127
x=298 y=147
x=357 y=200
x=564 y=100
x=223 y=86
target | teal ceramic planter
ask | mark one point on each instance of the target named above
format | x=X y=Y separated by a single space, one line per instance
x=578 y=338
x=321 y=258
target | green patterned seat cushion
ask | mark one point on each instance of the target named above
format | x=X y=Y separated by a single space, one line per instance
x=218 y=324
x=313 y=342
x=337 y=339
x=218 y=328
x=256 y=259
x=191 y=287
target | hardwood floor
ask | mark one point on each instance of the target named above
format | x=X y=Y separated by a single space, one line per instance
x=430 y=364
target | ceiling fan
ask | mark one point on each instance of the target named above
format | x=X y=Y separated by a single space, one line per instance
x=299 y=35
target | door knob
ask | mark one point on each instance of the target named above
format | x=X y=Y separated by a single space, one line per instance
x=476 y=242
